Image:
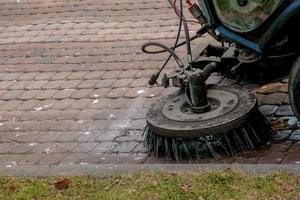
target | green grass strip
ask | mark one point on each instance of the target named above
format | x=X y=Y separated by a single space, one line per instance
x=179 y=186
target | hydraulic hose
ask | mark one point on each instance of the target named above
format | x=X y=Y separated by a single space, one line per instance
x=145 y=50
x=171 y=50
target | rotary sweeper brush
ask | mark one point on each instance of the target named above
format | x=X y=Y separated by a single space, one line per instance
x=258 y=42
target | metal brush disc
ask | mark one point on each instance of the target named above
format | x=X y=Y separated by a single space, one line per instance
x=172 y=117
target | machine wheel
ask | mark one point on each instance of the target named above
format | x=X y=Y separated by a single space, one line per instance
x=294 y=88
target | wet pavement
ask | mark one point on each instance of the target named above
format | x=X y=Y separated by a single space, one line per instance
x=73 y=84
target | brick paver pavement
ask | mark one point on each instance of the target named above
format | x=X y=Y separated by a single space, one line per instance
x=73 y=84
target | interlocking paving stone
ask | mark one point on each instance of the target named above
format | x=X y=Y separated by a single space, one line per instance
x=285 y=110
x=282 y=135
x=84 y=147
x=274 y=98
x=31 y=159
x=23 y=148
x=270 y=88
x=110 y=135
x=125 y=147
x=293 y=156
x=105 y=147
x=73 y=158
x=10 y=159
x=268 y=109
x=295 y=135
x=52 y=159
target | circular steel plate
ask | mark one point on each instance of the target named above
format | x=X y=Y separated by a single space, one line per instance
x=221 y=102
x=230 y=106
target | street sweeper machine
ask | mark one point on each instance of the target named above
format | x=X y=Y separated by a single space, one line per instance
x=257 y=40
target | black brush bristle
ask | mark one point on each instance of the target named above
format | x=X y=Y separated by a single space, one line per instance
x=254 y=132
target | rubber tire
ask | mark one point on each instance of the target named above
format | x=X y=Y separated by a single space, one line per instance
x=294 y=88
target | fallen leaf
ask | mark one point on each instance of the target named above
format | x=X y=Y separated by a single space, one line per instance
x=184 y=188
x=279 y=124
x=13 y=187
x=63 y=184
x=285 y=186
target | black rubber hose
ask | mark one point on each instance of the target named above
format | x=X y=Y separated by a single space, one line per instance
x=209 y=69
x=163 y=51
x=170 y=51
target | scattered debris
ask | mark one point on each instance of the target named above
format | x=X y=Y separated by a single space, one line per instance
x=38 y=108
x=42 y=107
x=125 y=131
x=14 y=163
x=140 y=91
x=49 y=150
x=111 y=116
x=95 y=101
x=280 y=124
x=48 y=105
x=19 y=134
x=138 y=158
